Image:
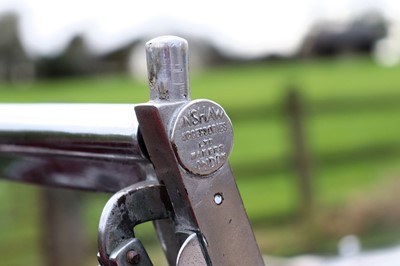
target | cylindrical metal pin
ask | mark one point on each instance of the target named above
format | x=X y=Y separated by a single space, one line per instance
x=168 y=69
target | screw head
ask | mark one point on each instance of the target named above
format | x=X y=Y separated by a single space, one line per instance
x=132 y=257
x=218 y=198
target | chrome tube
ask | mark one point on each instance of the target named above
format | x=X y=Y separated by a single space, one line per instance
x=84 y=146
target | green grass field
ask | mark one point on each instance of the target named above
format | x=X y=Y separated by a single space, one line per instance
x=355 y=150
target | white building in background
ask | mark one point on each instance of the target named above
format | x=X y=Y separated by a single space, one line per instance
x=387 y=50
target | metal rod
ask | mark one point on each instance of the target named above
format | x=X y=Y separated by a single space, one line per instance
x=168 y=69
x=87 y=146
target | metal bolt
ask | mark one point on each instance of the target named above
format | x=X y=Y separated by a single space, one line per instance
x=218 y=198
x=168 y=69
x=132 y=257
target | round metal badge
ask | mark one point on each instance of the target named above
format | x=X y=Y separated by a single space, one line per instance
x=202 y=137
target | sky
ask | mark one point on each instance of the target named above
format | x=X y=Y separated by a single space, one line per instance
x=239 y=28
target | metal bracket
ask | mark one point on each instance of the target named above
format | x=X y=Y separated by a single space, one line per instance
x=188 y=143
x=139 y=203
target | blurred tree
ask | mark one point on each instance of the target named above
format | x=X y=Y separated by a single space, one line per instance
x=75 y=60
x=356 y=36
x=15 y=65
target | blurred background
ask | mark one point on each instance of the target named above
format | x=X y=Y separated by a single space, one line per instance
x=312 y=88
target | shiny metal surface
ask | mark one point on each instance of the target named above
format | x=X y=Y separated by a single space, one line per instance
x=84 y=146
x=202 y=137
x=206 y=202
x=168 y=69
x=191 y=253
x=169 y=240
x=227 y=237
x=139 y=203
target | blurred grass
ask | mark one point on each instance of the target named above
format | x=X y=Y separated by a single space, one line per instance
x=354 y=150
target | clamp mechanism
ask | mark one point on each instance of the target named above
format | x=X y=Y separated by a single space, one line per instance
x=192 y=196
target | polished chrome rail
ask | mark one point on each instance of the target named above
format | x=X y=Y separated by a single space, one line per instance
x=84 y=146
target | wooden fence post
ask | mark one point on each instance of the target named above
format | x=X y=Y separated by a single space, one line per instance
x=301 y=153
x=64 y=240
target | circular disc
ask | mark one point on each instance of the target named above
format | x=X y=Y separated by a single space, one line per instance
x=202 y=137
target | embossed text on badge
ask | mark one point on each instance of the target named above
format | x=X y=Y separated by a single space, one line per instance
x=202 y=137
